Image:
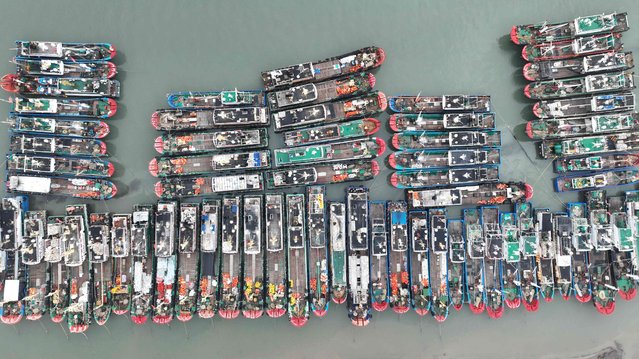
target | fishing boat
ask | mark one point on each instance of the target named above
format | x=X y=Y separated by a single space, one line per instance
x=456 y=263
x=475 y=271
x=331 y=152
x=546 y=253
x=57 y=145
x=205 y=164
x=11 y=216
x=422 y=159
x=97 y=189
x=422 y=140
x=32 y=255
x=622 y=255
x=298 y=288
x=179 y=187
x=482 y=194
x=617 y=177
x=602 y=162
x=237 y=117
x=60 y=86
x=253 y=260
x=581 y=244
x=209 y=259
x=188 y=256
x=512 y=257
x=623 y=142
x=99 y=248
x=325 y=91
x=57 y=298
x=13 y=287
x=580 y=86
x=58 y=126
x=322 y=174
x=421 y=291
x=580 y=66
x=142 y=228
x=438 y=263
x=380 y=293
x=528 y=242
x=73 y=51
x=359 y=285
x=121 y=228
x=364 y=59
x=494 y=261
x=442 y=122
x=203 y=142
x=215 y=99
x=398 y=258
x=429 y=178
x=568 y=127
x=587 y=45
x=562 y=227
x=319 y=290
x=98 y=108
x=74 y=241
x=332 y=132
x=581 y=26
x=166 y=218
x=599 y=217
x=330 y=112
x=231 y=262
x=65 y=68
x=583 y=106
x=276 y=300
x=337 y=232
x=59 y=166
x=439 y=104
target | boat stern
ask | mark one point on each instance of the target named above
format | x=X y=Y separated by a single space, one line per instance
x=628 y=294
x=110 y=169
x=527 y=91
x=206 y=313
x=162 y=319
x=513 y=303
x=11 y=319
x=34 y=316
x=477 y=308
x=229 y=313
x=184 y=317
x=532 y=306
x=112 y=51
x=400 y=309
x=375 y=168
x=78 y=328
x=607 y=309
x=158 y=189
x=392 y=161
x=529 y=130
x=495 y=313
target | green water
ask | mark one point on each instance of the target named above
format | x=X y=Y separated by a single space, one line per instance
x=432 y=48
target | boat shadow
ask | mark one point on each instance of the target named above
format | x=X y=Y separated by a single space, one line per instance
x=518 y=62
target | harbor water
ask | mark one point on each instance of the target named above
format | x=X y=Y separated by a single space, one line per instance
x=432 y=47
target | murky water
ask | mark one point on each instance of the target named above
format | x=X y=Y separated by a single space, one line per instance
x=432 y=48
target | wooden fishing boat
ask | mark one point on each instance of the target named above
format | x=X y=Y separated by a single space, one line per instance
x=580 y=66
x=625 y=141
x=58 y=126
x=581 y=244
x=253 y=259
x=512 y=257
x=546 y=253
x=57 y=146
x=59 y=166
x=423 y=140
x=13 y=287
x=364 y=59
x=97 y=108
x=380 y=291
x=421 y=290
x=399 y=267
x=438 y=262
x=99 y=248
x=563 y=258
x=209 y=259
x=337 y=232
x=203 y=142
x=622 y=255
x=331 y=152
x=430 y=178
x=332 y=132
x=528 y=241
x=587 y=45
x=298 y=300
x=142 y=229
x=96 y=189
x=179 y=187
x=314 y=93
x=319 y=290
x=188 y=261
x=584 y=106
x=580 y=86
x=359 y=286
x=581 y=26
x=275 y=259
x=601 y=162
x=330 y=112
x=57 y=298
x=121 y=228
x=617 y=177
x=74 y=241
x=73 y=51
x=456 y=263
x=423 y=159
x=166 y=219
x=38 y=273
x=60 y=86
x=475 y=270
x=231 y=262
x=65 y=68
x=482 y=194
x=579 y=126
x=439 y=104
x=442 y=122
x=215 y=99
x=206 y=164
x=322 y=174
x=494 y=261
x=236 y=117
